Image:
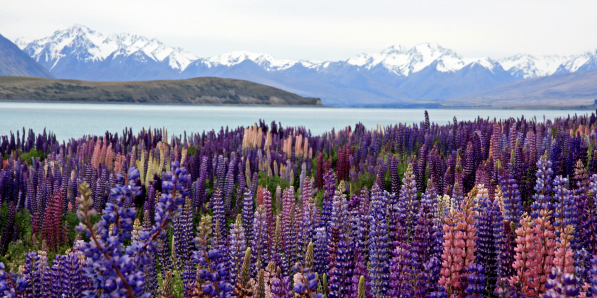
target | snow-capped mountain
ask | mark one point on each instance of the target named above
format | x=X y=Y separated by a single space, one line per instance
x=584 y=61
x=524 y=66
x=266 y=61
x=82 y=49
x=403 y=61
x=396 y=74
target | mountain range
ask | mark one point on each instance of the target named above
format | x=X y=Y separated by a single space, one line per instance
x=397 y=76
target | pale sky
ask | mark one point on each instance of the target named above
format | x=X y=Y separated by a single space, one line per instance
x=320 y=29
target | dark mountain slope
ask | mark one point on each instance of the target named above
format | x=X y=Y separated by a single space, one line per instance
x=14 y=62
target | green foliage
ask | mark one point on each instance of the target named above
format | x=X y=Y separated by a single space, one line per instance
x=3 y=215
x=23 y=219
x=33 y=153
x=271 y=183
x=177 y=284
x=209 y=189
x=367 y=179
x=319 y=198
x=387 y=181
x=61 y=251
x=191 y=150
x=15 y=256
x=297 y=179
x=72 y=220
x=334 y=158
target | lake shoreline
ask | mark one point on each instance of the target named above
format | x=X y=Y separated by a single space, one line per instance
x=408 y=106
x=158 y=103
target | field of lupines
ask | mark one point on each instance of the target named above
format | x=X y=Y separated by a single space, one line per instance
x=470 y=209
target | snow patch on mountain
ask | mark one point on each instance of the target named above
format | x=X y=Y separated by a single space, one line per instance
x=584 y=61
x=21 y=42
x=485 y=62
x=268 y=62
x=527 y=66
x=403 y=61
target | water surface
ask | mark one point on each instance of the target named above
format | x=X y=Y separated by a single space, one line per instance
x=73 y=120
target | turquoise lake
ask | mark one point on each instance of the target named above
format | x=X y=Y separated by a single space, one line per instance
x=69 y=120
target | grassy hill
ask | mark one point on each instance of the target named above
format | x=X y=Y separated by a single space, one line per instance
x=197 y=91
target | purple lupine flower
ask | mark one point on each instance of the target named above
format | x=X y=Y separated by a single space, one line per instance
x=408 y=205
x=589 y=219
x=432 y=274
x=340 y=274
x=151 y=276
x=425 y=246
x=470 y=168
x=183 y=234
x=565 y=212
x=248 y=215
x=163 y=253
x=228 y=189
x=254 y=182
x=326 y=206
x=561 y=285
x=33 y=271
x=219 y=216
x=437 y=168
x=242 y=185
x=591 y=280
x=394 y=175
x=360 y=270
x=543 y=188
x=269 y=215
x=476 y=282
x=200 y=191
x=73 y=276
x=321 y=251
x=276 y=252
x=214 y=272
x=220 y=174
x=305 y=284
x=287 y=227
x=401 y=273
x=511 y=194
x=310 y=214
x=419 y=168
x=261 y=236
x=10 y=286
x=238 y=245
x=188 y=277
x=429 y=198
x=358 y=228
x=378 y=244
x=339 y=215
x=489 y=239
x=281 y=287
